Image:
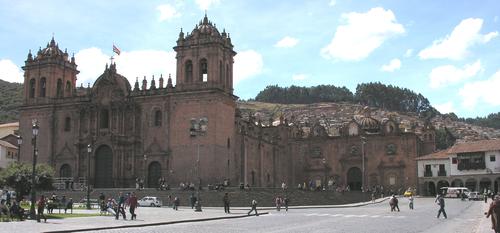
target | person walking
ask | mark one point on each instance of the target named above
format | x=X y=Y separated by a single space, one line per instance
x=41 y=206
x=132 y=202
x=440 y=201
x=120 y=208
x=225 y=199
x=286 y=201
x=254 y=207
x=410 y=202
x=278 y=203
x=192 y=200
x=176 y=203
x=494 y=212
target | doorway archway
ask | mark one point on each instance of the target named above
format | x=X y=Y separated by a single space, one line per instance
x=354 y=178
x=103 y=167
x=154 y=174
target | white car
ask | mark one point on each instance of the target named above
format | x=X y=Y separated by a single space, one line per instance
x=150 y=201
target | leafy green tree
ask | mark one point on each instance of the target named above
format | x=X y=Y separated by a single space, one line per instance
x=18 y=176
x=444 y=139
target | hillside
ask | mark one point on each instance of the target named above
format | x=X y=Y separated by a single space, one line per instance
x=333 y=115
x=11 y=96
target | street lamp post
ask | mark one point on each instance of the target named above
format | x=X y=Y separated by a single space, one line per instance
x=324 y=166
x=89 y=151
x=363 y=142
x=198 y=128
x=145 y=156
x=19 y=143
x=35 y=154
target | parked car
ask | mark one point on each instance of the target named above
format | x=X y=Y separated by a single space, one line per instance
x=477 y=196
x=150 y=201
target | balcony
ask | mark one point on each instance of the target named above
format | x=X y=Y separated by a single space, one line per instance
x=428 y=174
x=442 y=173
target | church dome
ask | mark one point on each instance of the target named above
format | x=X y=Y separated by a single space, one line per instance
x=110 y=80
x=205 y=27
x=369 y=124
x=52 y=50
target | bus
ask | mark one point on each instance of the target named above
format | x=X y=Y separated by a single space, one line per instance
x=454 y=191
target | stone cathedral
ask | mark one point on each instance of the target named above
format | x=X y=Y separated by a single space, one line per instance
x=192 y=131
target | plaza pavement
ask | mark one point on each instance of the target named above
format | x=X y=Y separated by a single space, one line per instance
x=152 y=216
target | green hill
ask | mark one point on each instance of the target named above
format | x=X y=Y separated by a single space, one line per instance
x=11 y=97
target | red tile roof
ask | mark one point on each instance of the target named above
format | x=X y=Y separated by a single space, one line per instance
x=442 y=154
x=477 y=146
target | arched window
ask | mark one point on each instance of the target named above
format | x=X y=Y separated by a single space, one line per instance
x=227 y=76
x=221 y=70
x=32 y=88
x=43 y=87
x=65 y=171
x=158 y=118
x=189 y=71
x=104 y=119
x=68 y=88
x=67 y=124
x=59 y=90
x=203 y=70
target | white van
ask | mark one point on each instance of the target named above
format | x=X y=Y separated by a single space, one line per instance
x=454 y=191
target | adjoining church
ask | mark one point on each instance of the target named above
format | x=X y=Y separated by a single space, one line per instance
x=193 y=131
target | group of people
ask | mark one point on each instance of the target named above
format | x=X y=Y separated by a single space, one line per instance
x=279 y=201
x=118 y=206
x=11 y=210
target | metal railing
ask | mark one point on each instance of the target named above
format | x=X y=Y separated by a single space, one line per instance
x=62 y=183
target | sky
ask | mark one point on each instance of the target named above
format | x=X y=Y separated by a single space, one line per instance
x=449 y=50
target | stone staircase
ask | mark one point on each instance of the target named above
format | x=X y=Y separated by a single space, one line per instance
x=240 y=198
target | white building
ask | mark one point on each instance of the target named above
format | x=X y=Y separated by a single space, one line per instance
x=475 y=165
x=8 y=153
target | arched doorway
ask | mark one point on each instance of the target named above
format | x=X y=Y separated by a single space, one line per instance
x=65 y=171
x=484 y=183
x=354 y=178
x=497 y=185
x=103 y=167
x=471 y=184
x=442 y=183
x=457 y=183
x=431 y=188
x=154 y=173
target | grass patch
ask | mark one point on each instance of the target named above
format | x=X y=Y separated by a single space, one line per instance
x=74 y=215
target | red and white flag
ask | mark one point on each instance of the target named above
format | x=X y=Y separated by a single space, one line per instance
x=116 y=50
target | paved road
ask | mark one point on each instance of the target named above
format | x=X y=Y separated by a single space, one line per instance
x=463 y=217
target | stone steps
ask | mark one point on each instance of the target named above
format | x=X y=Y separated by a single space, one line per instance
x=264 y=196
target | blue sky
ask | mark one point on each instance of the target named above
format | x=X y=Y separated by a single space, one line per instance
x=447 y=50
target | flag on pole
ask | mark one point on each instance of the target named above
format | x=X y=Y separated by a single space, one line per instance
x=116 y=50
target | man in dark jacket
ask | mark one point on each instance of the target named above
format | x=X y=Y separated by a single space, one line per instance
x=225 y=199
x=440 y=202
x=494 y=212
x=121 y=207
x=132 y=202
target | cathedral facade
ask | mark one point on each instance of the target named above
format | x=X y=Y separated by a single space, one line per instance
x=113 y=132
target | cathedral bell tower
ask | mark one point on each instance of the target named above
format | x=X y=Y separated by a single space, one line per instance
x=49 y=75
x=205 y=58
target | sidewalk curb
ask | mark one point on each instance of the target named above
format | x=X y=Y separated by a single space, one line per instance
x=380 y=200
x=158 y=223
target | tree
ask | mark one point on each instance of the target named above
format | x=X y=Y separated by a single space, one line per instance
x=18 y=176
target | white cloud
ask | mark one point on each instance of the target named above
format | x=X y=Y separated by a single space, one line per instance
x=408 y=53
x=332 y=3
x=287 y=42
x=167 y=12
x=445 y=107
x=393 y=65
x=247 y=63
x=485 y=91
x=362 y=34
x=299 y=77
x=10 y=72
x=206 y=4
x=131 y=64
x=448 y=74
x=455 y=45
